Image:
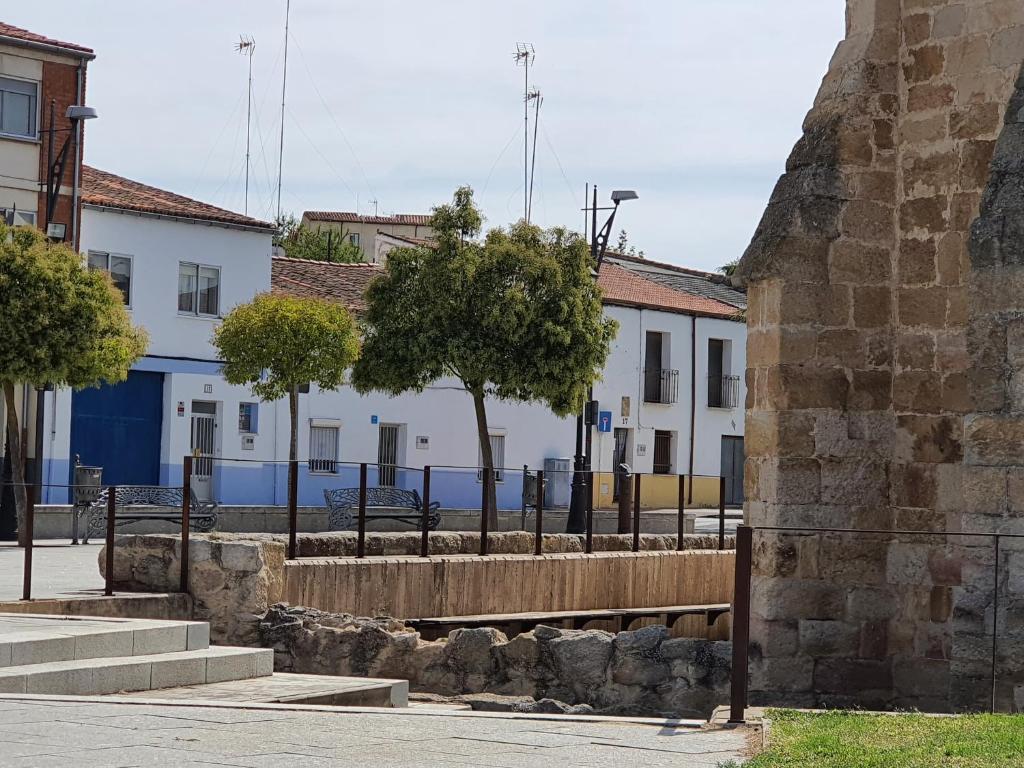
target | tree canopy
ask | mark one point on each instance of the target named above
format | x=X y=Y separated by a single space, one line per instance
x=516 y=316
x=302 y=242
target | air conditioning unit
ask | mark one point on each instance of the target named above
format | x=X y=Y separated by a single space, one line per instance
x=557 y=482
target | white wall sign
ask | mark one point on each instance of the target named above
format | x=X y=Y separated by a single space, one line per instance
x=641 y=450
x=422 y=442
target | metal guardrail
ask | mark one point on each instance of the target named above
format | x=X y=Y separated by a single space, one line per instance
x=723 y=391
x=661 y=386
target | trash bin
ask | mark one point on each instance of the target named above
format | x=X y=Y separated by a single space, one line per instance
x=87 y=489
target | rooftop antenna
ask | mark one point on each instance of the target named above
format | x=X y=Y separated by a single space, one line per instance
x=524 y=56
x=246 y=46
x=374 y=201
x=537 y=99
x=284 y=84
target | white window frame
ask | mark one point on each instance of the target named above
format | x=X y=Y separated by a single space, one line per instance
x=34 y=136
x=131 y=270
x=353 y=238
x=499 y=460
x=331 y=464
x=195 y=291
x=10 y=216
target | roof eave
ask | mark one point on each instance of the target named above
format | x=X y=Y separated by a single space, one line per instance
x=59 y=50
x=210 y=222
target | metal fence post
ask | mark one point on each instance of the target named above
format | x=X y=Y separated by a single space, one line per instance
x=681 y=522
x=589 y=544
x=995 y=622
x=624 y=513
x=30 y=523
x=186 y=514
x=425 y=533
x=636 y=512
x=721 y=513
x=484 y=508
x=741 y=624
x=361 y=524
x=293 y=510
x=109 y=569
x=538 y=537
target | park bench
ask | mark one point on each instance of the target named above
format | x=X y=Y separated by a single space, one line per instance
x=137 y=503
x=516 y=623
x=381 y=504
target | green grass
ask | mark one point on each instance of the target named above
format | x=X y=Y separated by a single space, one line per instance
x=847 y=739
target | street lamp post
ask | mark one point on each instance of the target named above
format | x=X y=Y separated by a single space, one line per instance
x=577 y=520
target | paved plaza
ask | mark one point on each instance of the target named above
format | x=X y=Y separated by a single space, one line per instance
x=38 y=733
x=58 y=570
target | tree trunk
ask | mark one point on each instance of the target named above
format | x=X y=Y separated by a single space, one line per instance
x=17 y=460
x=293 y=412
x=484 y=436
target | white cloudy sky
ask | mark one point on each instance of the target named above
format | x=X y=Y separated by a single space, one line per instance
x=693 y=103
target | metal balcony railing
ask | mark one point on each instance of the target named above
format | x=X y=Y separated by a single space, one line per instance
x=723 y=391
x=661 y=385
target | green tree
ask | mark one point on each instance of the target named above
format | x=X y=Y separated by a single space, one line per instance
x=623 y=246
x=302 y=242
x=61 y=324
x=275 y=344
x=516 y=316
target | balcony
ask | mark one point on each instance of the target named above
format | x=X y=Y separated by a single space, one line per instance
x=661 y=385
x=723 y=391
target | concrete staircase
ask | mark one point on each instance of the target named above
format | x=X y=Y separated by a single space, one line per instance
x=92 y=656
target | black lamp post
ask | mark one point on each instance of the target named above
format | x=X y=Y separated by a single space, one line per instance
x=577 y=520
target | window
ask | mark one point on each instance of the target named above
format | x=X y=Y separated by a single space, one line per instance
x=723 y=389
x=323 y=448
x=119 y=268
x=198 y=289
x=15 y=218
x=498 y=455
x=387 y=454
x=248 y=418
x=662 y=452
x=18 y=107
x=353 y=238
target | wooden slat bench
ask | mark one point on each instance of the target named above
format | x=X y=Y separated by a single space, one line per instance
x=137 y=503
x=516 y=623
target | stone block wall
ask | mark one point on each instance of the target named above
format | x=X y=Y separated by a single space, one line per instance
x=885 y=367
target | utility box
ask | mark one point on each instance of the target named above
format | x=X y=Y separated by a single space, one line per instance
x=557 y=482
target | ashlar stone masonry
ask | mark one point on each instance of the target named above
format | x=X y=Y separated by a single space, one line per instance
x=886 y=369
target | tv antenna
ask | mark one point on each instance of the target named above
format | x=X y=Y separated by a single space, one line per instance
x=537 y=99
x=246 y=46
x=525 y=56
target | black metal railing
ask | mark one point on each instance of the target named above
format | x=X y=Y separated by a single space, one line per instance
x=661 y=385
x=723 y=391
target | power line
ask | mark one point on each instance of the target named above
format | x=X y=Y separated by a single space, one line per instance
x=497 y=160
x=324 y=157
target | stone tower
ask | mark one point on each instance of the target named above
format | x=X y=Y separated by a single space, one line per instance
x=886 y=369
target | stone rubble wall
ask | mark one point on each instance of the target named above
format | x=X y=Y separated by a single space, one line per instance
x=886 y=286
x=643 y=672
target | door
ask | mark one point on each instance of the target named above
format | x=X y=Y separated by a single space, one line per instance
x=732 y=469
x=204 y=441
x=716 y=349
x=652 y=367
x=118 y=428
x=618 y=457
x=387 y=454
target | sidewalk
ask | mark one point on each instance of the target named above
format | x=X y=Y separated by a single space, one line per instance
x=58 y=569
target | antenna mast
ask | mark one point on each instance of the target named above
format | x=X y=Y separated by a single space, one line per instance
x=524 y=55
x=539 y=100
x=284 y=84
x=247 y=46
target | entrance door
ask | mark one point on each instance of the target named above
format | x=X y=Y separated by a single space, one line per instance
x=387 y=454
x=618 y=457
x=732 y=469
x=204 y=433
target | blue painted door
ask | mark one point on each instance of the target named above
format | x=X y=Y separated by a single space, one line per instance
x=118 y=428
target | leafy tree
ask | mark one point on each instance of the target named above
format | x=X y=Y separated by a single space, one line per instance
x=275 y=344
x=302 y=242
x=516 y=316
x=730 y=268
x=61 y=324
x=622 y=246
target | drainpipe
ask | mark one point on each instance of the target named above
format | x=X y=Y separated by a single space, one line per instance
x=76 y=182
x=693 y=400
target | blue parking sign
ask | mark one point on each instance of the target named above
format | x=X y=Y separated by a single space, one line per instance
x=604 y=421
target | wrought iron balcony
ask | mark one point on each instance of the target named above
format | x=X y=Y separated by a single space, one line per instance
x=723 y=391
x=661 y=385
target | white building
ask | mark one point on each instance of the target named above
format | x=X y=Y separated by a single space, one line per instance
x=184 y=264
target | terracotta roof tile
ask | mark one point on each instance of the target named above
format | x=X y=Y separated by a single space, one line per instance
x=323 y=280
x=626 y=288
x=355 y=218
x=17 y=33
x=112 y=191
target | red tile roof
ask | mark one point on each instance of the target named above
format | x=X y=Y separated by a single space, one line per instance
x=346 y=283
x=622 y=287
x=31 y=38
x=355 y=218
x=112 y=191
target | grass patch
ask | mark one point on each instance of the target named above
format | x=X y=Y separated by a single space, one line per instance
x=844 y=739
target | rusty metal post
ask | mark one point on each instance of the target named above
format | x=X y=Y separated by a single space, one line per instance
x=741 y=624
x=538 y=537
x=636 y=512
x=681 y=522
x=30 y=524
x=186 y=514
x=589 y=542
x=484 y=505
x=425 y=533
x=293 y=510
x=361 y=522
x=995 y=623
x=721 y=513
x=108 y=571
x=624 y=513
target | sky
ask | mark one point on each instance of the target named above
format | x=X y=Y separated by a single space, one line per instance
x=695 y=104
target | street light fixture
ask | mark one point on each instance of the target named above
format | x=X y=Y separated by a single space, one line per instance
x=577 y=519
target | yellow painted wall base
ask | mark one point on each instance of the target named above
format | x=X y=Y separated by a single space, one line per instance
x=659 y=492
